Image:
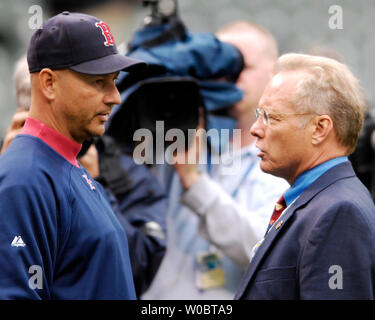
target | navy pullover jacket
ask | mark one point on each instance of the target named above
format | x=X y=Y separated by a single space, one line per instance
x=59 y=238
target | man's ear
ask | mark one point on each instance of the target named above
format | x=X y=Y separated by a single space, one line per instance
x=47 y=82
x=322 y=127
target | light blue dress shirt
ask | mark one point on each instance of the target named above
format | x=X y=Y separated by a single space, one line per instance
x=308 y=177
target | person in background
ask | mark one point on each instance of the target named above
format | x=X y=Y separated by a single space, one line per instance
x=217 y=217
x=23 y=98
x=320 y=242
x=60 y=237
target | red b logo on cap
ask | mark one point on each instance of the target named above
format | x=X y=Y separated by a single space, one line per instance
x=109 y=40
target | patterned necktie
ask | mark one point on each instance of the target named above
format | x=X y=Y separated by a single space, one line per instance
x=279 y=208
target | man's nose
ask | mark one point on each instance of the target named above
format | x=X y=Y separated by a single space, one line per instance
x=257 y=129
x=112 y=96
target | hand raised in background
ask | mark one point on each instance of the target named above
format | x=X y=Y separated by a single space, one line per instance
x=186 y=164
x=15 y=127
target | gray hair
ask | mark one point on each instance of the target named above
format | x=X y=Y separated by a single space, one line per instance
x=329 y=87
x=22 y=83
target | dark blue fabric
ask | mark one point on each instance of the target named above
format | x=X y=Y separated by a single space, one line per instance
x=145 y=202
x=332 y=223
x=199 y=55
x=70 y=230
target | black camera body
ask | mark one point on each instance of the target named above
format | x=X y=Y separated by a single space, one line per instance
x=173 y=100
x=161 y=11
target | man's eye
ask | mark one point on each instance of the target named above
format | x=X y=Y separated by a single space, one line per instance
x=273 y=117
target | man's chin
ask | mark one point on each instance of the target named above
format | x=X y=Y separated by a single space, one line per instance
x=275 y=171
x=265 y=167
x=96 y=132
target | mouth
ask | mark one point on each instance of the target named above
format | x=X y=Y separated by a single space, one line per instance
x=261 y=152
x=103 y=116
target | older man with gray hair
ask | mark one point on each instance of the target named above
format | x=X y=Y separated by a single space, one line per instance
x=23 y=96
x=320 y=242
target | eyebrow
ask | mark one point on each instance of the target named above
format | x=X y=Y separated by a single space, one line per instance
x=91 y=76
x=266 y=108
x=114 y=75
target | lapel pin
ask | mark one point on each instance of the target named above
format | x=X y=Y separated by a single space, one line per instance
x=278 y=206
x=279 y=225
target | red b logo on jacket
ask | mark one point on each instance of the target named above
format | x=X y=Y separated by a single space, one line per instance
x=109 y=40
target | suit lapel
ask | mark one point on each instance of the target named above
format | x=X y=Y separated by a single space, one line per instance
x=268 y=240
x=343 y=170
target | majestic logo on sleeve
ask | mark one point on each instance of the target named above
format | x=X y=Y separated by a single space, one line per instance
x=18 y=242
x=109 y=40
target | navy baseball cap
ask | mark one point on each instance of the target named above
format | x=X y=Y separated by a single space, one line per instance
x=80 y=42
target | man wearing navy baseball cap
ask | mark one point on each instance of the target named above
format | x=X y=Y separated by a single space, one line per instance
x=59 y=236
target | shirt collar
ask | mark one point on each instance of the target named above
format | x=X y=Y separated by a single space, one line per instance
x=62 y=145
x=308 y=177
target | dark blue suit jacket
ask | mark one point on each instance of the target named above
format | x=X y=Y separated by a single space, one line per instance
x=322 y=247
